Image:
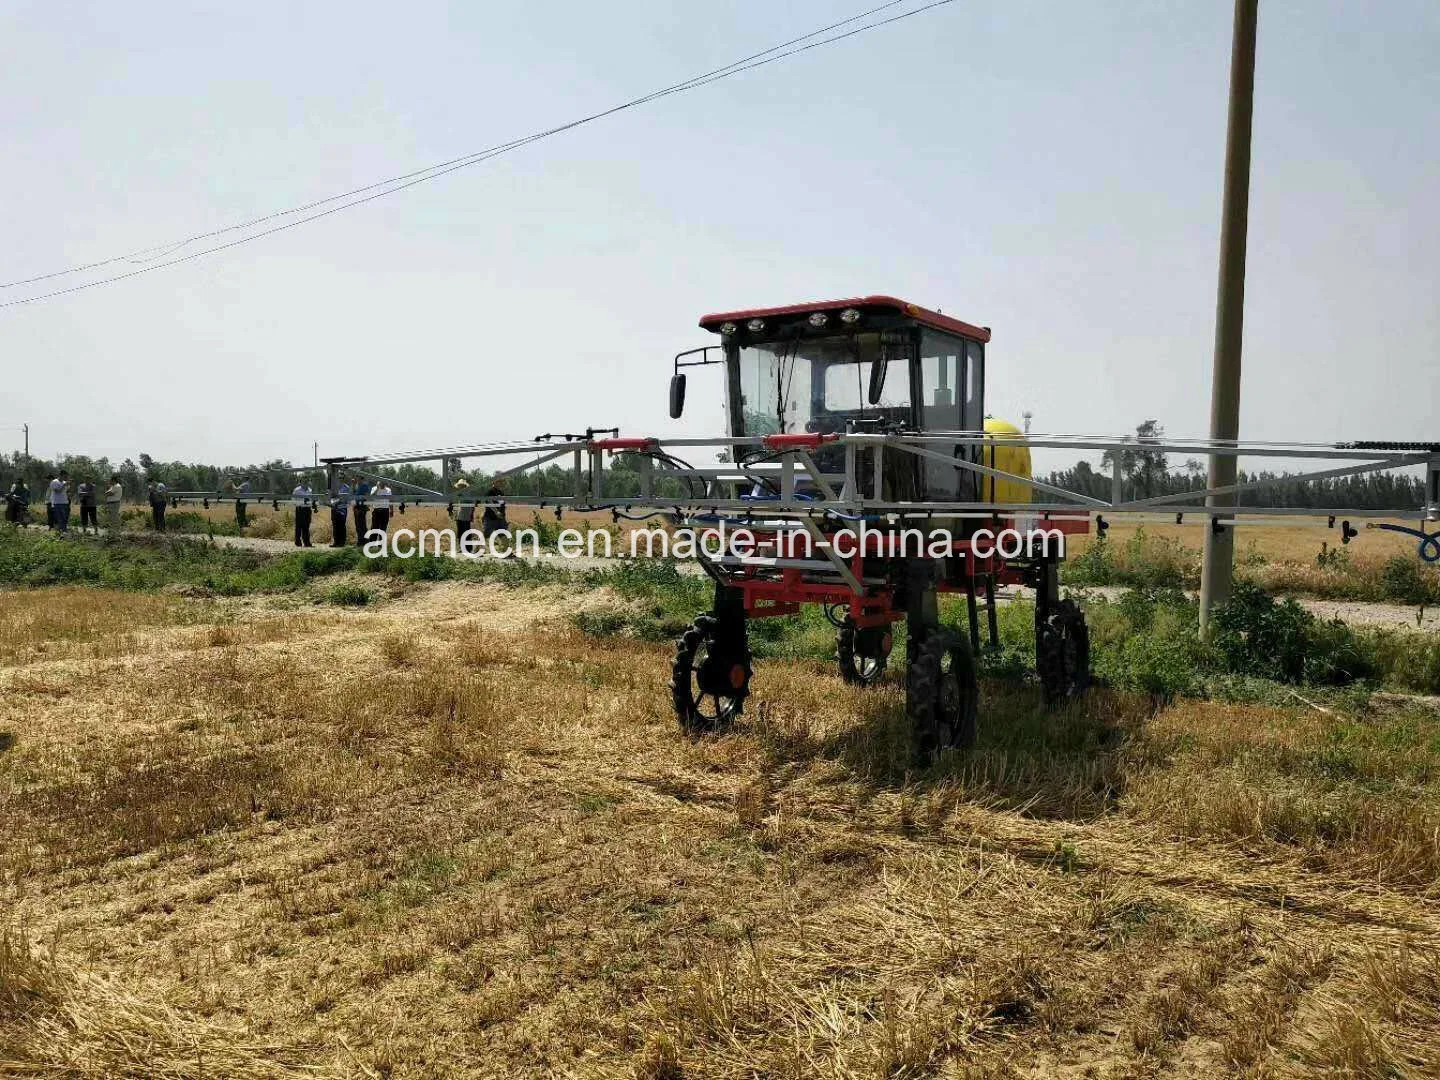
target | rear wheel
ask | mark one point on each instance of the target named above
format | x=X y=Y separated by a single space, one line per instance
x=862 y=652
x=942 y=696
x=1062 y=652
x=709 y=679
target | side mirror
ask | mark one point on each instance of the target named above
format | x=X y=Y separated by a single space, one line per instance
x=677 y=395
x=877 y=378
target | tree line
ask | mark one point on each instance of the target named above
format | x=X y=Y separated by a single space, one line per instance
x=278 y=477
x=1146 y=473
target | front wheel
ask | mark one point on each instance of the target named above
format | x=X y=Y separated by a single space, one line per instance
x=862 y=652
x=942 y=696
x=709 y=679
x=1062 y=653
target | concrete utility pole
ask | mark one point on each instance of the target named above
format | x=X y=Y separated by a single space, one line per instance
x=27 y=439
x=1219 y=562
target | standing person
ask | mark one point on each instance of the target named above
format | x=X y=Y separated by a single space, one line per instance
x=114 y=495
x=159 y=497
x=20 y=493
x=361 y=501
x=60 y=502
x=49 y=504
x=242 y=498
x=464 y=511
x=88 y=512
x=17 y=502
x=339 y=507
x=302 y=500
x=493 y=520
x=380 y=508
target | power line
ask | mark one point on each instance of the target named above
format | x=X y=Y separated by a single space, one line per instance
x=177 y=244
x=407 y=180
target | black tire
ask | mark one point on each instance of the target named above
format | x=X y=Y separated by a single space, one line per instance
x=702 y=671
x=1062 y=653
x=942 y=697
x=862 y=653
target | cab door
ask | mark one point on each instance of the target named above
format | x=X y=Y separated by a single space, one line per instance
x=950 y=400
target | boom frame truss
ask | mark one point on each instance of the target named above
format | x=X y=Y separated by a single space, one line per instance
x=805 y=490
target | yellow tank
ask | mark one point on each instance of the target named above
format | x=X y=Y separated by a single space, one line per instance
x=1010 y=459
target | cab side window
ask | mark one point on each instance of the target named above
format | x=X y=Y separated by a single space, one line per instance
x=943 y=389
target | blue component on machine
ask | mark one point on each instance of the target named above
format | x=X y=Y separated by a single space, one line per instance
x=1429 y=542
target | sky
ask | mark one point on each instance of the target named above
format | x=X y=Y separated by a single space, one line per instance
x=1051 y=170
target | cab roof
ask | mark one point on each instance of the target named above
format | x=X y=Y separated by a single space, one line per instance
x=867 y=304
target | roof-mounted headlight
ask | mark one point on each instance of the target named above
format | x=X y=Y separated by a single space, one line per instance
x=849 y=315
x=818 y=319
x=727 y=328
x=755 y=325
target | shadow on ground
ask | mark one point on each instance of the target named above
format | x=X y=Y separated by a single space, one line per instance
x=1065 y=762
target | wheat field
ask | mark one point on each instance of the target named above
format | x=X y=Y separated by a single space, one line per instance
x=447 y=835
x=1300 y=539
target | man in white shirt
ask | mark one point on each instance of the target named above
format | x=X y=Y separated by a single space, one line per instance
x=59 y=500
x=304 y=503
x=464 y=510
x=114 y=494
x=380 y=507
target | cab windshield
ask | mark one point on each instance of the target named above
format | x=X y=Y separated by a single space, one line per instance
x=819 y=385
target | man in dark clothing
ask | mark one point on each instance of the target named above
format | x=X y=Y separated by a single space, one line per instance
x=242 y=497
x=339 y=506
x=304 y=504
x=159 y=499
x=493 y=519
x=89 y=512
x=17 y=502
x=362 y=508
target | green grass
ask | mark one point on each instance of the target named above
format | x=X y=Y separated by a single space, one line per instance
x=1146 y=640
x=146 y=561
x=348 y=594
x=188 y=522
x=152 y=562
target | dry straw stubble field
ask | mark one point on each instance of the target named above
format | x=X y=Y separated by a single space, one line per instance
x=447 y=835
